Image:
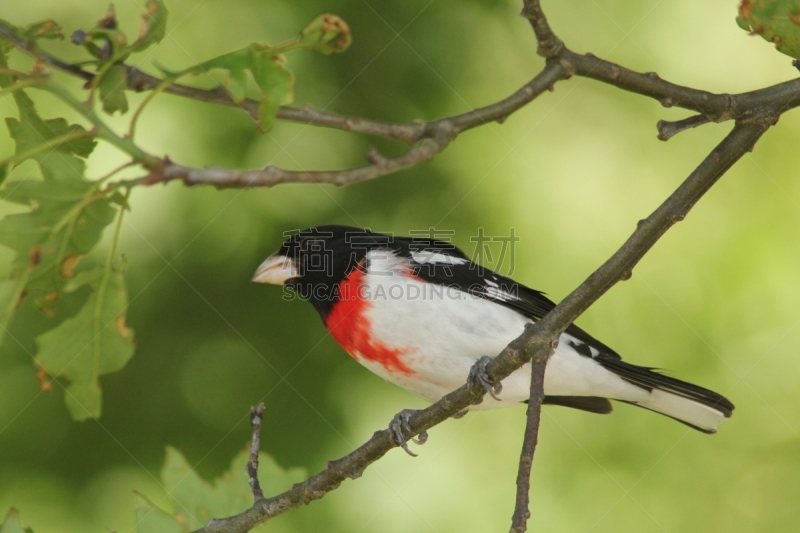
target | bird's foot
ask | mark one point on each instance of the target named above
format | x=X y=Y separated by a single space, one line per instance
x=477 y=374
x=400 y=424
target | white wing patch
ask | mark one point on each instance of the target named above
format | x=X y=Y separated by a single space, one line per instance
x=500 y=295
x=427 y=257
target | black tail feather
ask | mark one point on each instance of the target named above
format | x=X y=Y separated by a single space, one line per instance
x=649 y=379
x=592 y=404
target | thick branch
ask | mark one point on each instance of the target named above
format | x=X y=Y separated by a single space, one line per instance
x=539 y=338
x=716 y=107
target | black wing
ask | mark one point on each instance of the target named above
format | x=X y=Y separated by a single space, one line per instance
x=443 y=263
x=450 y=267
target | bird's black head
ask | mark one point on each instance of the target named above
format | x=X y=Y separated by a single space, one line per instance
x=314 y=261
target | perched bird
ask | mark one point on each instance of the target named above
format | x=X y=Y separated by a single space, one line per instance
x=419 y=313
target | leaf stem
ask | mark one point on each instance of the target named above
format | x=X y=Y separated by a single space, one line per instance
x=50 y=143
x=135 y=119
x=75 y=211
x=15 y=298
x=27 y=81
x=110 y=174
x=70 y=219
x=103 y=131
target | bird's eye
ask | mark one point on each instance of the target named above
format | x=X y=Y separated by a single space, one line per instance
x=310 y=244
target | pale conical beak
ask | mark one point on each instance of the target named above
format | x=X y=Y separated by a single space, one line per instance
x=277 y=269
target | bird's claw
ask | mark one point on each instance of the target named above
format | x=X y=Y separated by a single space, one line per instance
x=400 y=424
x=477 y=374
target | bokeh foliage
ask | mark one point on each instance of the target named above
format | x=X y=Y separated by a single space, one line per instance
x=714 y=303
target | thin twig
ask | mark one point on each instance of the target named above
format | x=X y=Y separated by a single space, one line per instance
x=8 y=33
x=668 y=129
x=548 y=44
x=271 y=175
x=519 y=520
x=256 y=415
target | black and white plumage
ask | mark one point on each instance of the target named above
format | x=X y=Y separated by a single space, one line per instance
x=419 y=313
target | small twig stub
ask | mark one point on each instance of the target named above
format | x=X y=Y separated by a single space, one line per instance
x=256 y=415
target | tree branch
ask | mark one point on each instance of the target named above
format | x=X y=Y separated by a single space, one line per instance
x=140 y=81
x=429 y=138
x=715 y=107
x=435 y=136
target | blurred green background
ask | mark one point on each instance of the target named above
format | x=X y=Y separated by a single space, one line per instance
x=714 y=303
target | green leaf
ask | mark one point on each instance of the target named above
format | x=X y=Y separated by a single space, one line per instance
x=153 y=26
x=326 y=34
x=112 y=90
x=151 y=519
x=12 y=523
x=777 y=21
x=196 y=501
x=83 y=218
x=34 y=192
x=67 y=217
x=275 y=83
x=31 y=133
x=236 y=63
x=47 y=29
x=94 y=342
x=87 y=277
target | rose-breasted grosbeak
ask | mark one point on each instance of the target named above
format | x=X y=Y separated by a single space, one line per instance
x=419 y=313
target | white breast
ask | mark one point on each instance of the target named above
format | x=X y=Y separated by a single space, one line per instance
x=445 y=330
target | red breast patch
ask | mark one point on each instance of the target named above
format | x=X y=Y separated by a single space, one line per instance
x=349 y=325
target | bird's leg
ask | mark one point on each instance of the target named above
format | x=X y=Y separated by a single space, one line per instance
x=477 y=374
x=399 y=424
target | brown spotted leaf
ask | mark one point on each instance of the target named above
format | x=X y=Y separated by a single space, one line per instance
x=777 y=21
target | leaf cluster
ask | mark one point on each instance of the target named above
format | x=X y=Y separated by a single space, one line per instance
x=64 y=222
x=66 y=214
x=193 y=501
